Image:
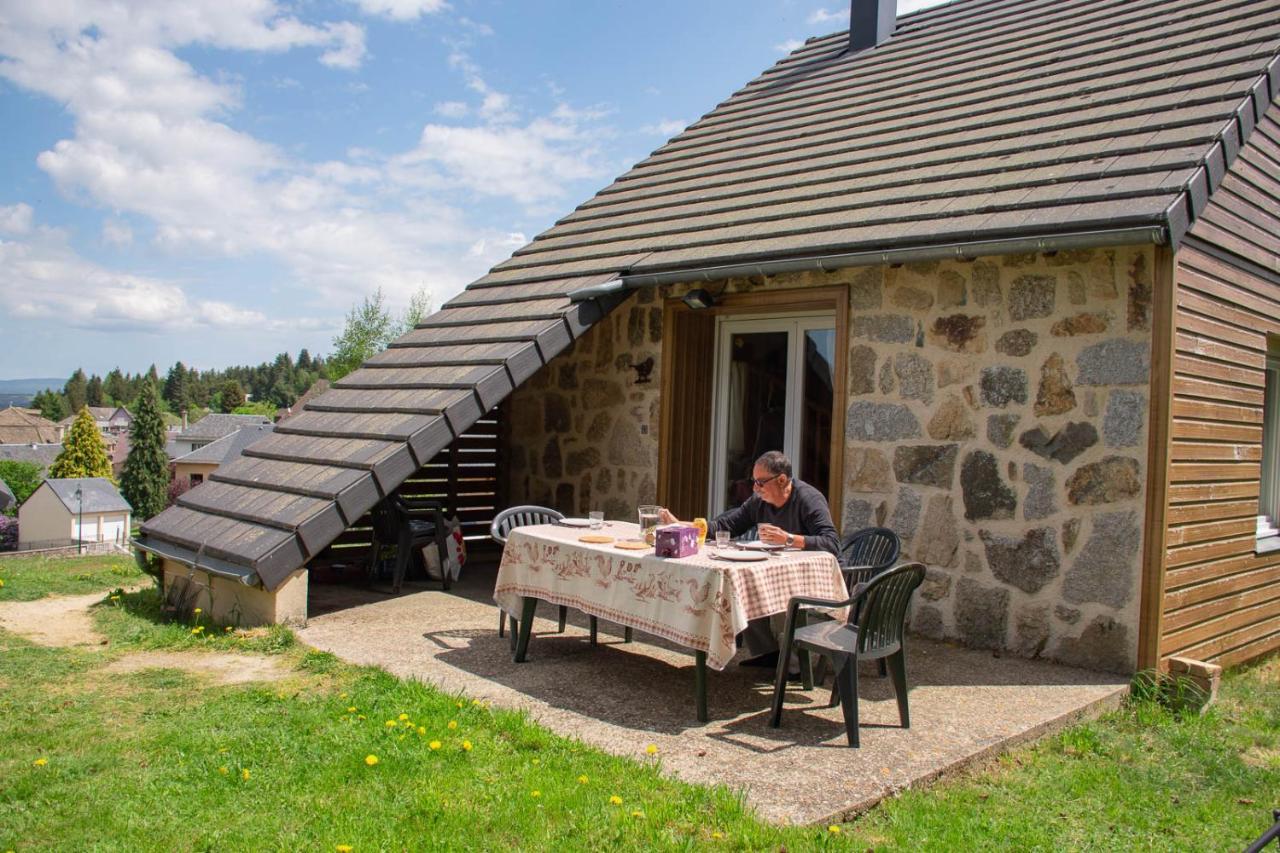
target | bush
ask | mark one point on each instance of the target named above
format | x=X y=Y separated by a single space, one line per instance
x=177 y=488
x=8 y=533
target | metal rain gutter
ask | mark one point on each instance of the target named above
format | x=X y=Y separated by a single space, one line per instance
x=964 y=251
x=195 y=560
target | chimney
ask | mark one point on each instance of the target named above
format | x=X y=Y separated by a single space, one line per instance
x=184 y=420
x=871 y=22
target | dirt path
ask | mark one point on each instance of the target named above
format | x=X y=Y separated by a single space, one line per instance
x=65 y=621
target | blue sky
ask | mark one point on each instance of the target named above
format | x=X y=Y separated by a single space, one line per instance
x=220 y=180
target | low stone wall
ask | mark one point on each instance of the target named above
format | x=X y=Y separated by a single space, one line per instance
x=997 y=420
x=229 y=602
x=88 y=549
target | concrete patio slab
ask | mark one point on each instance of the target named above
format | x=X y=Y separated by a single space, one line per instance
x=965 y=705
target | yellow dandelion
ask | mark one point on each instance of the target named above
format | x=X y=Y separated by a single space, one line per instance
x=637 y=813
x=1 y=581
x=196 y=630
x=343 y=696
x=371 y=760
x=422 y=730
x=227 y=629
x=390 y=724
x=537 y=761
x=453 y=724
x=351 y=709
x=344 y=848
x=615 y=800
x=833 y=829
x=244 y=774
x=435 y=744
x=360 y=716
x=113 y=598
x=40 y=762
x=582 y=780
x=535 y=794
x=651 y=749
x=717 y=835
x=460 y=703
x=197 y=611
x=403 y=717
x=223 y=770
x=476 y=702
x=466 y=746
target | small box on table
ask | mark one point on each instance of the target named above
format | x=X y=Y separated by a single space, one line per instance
x=676 y=540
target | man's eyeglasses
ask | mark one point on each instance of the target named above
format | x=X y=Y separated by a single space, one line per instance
x=761 y=482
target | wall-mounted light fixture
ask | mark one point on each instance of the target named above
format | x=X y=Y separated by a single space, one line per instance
x=698 y=299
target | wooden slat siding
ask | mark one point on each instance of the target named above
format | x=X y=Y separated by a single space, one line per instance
x=1221 y=599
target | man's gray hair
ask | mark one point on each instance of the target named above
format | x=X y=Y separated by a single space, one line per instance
x=775 y=462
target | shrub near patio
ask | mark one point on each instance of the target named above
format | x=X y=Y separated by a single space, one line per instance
x=334 y=755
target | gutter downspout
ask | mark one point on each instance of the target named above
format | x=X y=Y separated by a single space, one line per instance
x=1155 y=234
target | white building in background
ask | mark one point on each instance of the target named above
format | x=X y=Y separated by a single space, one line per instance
x=54 y=515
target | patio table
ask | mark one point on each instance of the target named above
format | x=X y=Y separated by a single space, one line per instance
x=700 y=601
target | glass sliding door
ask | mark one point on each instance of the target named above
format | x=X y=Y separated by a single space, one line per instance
x=774 y=390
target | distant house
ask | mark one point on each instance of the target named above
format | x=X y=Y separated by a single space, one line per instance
x=21 y=426
x=39 y=454
x=56 y=516
x=210 y=428
x=196 y=466
x=110 y=420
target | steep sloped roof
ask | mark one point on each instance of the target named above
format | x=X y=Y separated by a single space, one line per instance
x=978 y=124
x=39 y=454
x=228 y=447
x=19 y=426
x=97 y=494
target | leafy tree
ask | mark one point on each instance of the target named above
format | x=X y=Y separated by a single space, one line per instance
x=51 y=404
x=94 y=394
x=116 y=387
x=145 y=480
x=84 y=454
x=369 y=328
x=23 y=478
x=419 y=309
x=232 y=395
x=76 y=390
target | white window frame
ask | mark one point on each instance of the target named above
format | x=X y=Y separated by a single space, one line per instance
x=795 y=325
x=1269 y=491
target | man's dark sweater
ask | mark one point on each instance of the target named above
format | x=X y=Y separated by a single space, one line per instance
x=805 y=513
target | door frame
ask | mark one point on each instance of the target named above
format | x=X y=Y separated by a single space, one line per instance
x=799 y=322
x=832 y=300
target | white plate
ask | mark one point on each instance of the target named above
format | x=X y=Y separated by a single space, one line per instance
x=742 y=556
x=575 y=522
x=757 y=545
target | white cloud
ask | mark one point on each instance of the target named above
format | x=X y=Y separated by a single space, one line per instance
x=789 y=45
x=823 y=16
x=43 y=277
x=349 y=50
x=665 y=127
x=401 y=10
x=452 y=109
x=15 y=219
x=116 y=232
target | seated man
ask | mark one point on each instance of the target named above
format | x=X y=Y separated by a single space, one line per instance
x=784 y=511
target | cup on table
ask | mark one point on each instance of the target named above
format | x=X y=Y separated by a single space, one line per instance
x=597 y=519
x=722 y=539
x=649 y=516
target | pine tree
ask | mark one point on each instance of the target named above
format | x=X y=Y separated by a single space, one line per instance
x=145 y=481
x=94 y=395
x=51 y=404
x=175 y=387
x=232 y=395
x=116 y=388
x=76 y=390
x=84 y=454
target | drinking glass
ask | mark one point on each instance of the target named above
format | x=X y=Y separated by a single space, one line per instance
x=722 y=539
x=649 y=516
x=597 y=519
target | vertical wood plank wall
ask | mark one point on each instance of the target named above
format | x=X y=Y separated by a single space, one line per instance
x=1221 y=600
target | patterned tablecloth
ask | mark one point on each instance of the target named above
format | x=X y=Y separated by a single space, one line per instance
x=698 y=601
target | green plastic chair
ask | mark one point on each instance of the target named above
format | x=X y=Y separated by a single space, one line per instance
x=875 y=631
x=501 y=527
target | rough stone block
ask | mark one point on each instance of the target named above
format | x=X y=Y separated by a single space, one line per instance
x=886 y=328
x=1017 y=342
x=981 y=614
x=1066 y=444
x=1000 y=429
x=939 y=536
x=1054 y=395
x=1106 y=570
x=926 y=464
x=986 y=284
x=1104 y=644
x=985 y=494
x=1028 y=563
x=952 y=421
x=1114 y=362
x=1125 y=416
x=1032 y=296
x=1115 y=478
x=906 y=513
x=1041 y=499
x=959 y=333
x=868 y=470
x=862 y=370
x=869 y=421
x=1003 y=385
x=915 y=376
x=1081 y=324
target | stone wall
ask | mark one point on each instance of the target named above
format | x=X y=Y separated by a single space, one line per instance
x=996 y=419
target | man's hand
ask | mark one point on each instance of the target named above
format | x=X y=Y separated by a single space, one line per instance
x=771 y=534
x=665 y=516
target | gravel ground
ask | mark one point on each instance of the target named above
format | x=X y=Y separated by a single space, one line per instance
x=965 y=705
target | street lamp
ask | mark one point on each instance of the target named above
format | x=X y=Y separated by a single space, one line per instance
x=79 y=496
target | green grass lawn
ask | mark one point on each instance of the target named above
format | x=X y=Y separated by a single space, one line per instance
x=337 y=755
x=29 y=578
